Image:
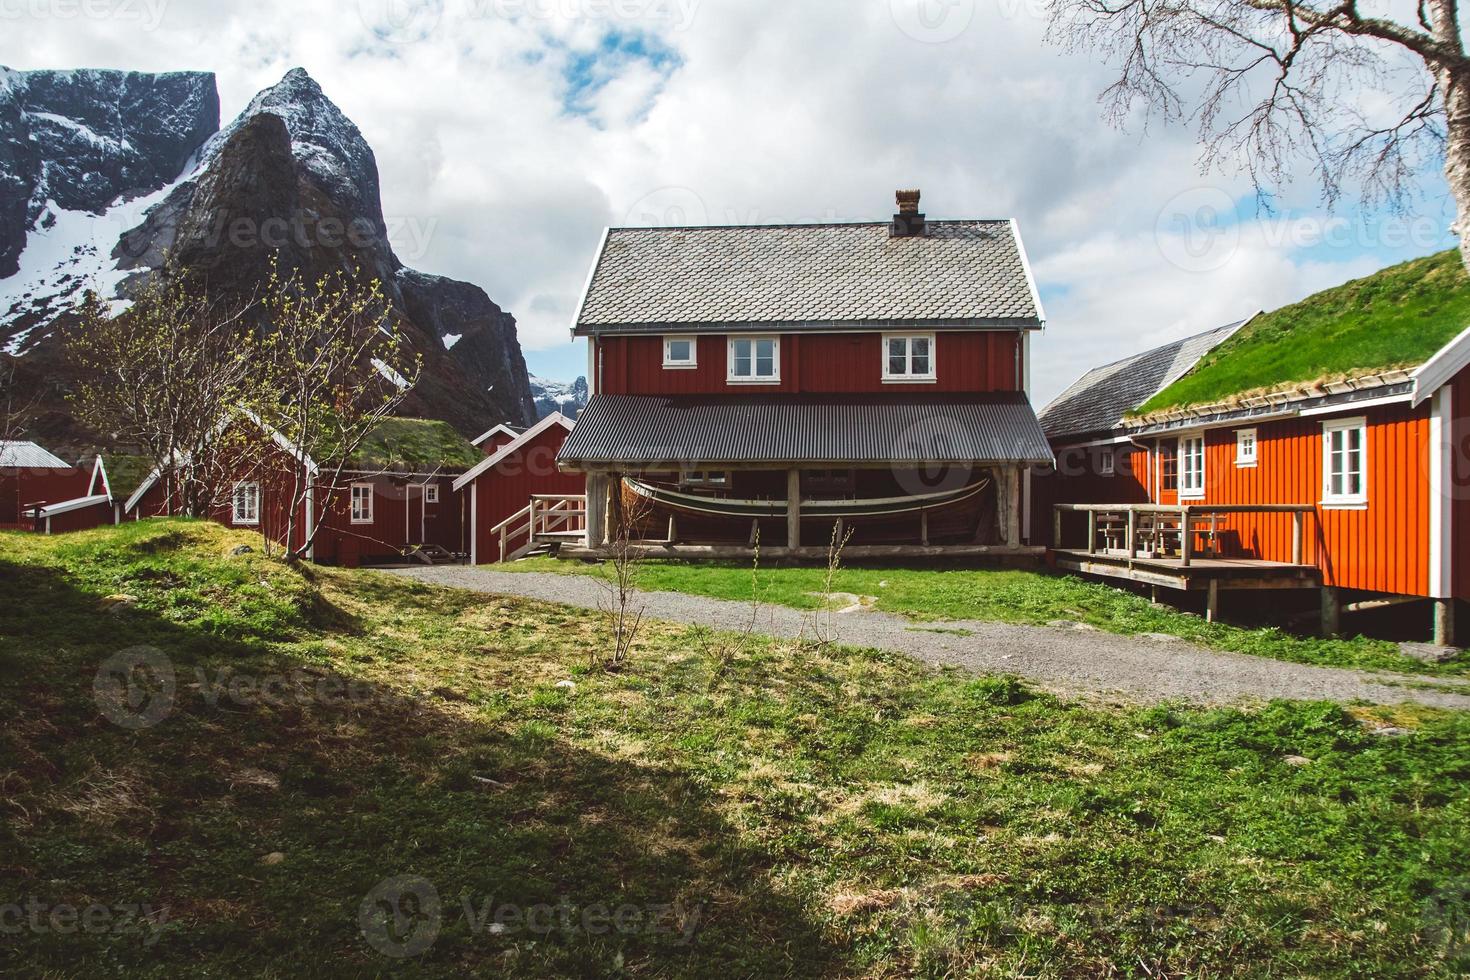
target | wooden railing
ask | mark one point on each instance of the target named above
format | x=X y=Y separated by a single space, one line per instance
x=545 y=514
x=1148 y=529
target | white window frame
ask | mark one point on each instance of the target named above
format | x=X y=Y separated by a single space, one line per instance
x=235 y=517
x=752 y=378
x=1107 y=463
x=1348 y=501
x=1187 y=489
x=1245 y=459
x=431 y=493
x=672 y=365
x=712 y=479
x=352 y=498
x=909 y=377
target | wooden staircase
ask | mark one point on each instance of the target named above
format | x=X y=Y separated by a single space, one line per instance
x=542 y=526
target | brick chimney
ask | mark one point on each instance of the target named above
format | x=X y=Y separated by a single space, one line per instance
x=908 y=223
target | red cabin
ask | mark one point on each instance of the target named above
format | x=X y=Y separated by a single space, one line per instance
x=41 y=492
x=1351 y=482
x=777 y=383
x=518 y=498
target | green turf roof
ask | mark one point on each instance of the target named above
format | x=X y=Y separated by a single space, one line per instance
x=1394 y=319
x=419 y=444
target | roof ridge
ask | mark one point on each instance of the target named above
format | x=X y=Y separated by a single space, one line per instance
x=876 y=223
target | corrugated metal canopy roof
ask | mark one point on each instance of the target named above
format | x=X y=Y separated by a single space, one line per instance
x=966 y=273
x=648 y=430
x=27 y=455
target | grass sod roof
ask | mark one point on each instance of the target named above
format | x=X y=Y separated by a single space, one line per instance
x=417 y=444
x=1394 y=319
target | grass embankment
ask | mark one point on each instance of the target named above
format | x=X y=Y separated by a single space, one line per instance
x=1005 y=596
x=772 y=811
x=1396 y=318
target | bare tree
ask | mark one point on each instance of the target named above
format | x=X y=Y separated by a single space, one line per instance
x=14 y=406
x=623 y=557
x=336 y=366
x=163 y=378
x=1272 y=84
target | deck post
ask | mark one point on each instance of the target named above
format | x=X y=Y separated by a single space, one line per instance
x=1444 y=622
x=1331 y=611
x=1298 y=527
x=1132 y=532
x=793 y=509
x=1212 y=605
x=1056 y=527
x=1186 y=540
x=596 y=509
x=924 y=528
x=1092 y=532
x=1013 y=516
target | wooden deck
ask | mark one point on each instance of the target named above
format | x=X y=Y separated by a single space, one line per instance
x=1172 y=573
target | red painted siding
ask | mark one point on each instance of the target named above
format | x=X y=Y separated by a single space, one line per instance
x=1078 y=479
x=837 y=363
x=507 y=488
x=1459 y=483
x=21 y=488
x=401 y=517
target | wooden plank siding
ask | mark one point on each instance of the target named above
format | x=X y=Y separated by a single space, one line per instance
x=1459 y=484
x=821 y=363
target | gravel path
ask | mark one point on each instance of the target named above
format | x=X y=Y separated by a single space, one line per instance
x=1064 y=660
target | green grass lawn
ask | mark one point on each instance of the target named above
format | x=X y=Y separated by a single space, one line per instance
x=714 y=808
x=1007 y=597
x=1398 y=317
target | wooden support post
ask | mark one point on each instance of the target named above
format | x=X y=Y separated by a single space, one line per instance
x=614 y=507
x=1212 y=605
x=596 y=510
x=1444 y=622
x=793 y=509
x=1331 y=611
x=1132 y=533
x=1298 y=534
x=924 y=528
x=1186 y=539
x=673 y=530
x=1013 y=516
x=1056 y=527
x=1092 y=532
x=755 y=532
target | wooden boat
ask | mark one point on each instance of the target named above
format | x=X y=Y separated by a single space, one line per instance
x=810 y=509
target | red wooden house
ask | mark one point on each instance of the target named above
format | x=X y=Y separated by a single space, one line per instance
x=517 y=495
x=1351 y=481
x=788 y=379
x=41 y=492
x=497 y=438
x=396 y=495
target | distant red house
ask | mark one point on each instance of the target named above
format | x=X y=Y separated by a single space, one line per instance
x=387 y=502
x=504 y=494
x=39 y=491
x=1361 y=478
x=496 y=439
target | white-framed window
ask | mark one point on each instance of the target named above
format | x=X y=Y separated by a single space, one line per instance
x=680 y=353
x=245 y=504
x=1345 y=463
x=1107 y=462
x=431 y=493
x=908 y=357
x=755 y=360
x=1245 y=447
x=1192 y=466
x=717 y=479
x=362 y=503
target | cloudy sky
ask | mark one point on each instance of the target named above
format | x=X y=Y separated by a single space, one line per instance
x=510 y=132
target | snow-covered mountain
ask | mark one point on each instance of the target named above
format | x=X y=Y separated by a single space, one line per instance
x=559 y=396
x=124 y=174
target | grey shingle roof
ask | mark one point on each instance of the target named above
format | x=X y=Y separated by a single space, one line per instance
x=28 y=455
x=1099 y=399
x=806 y=429
x=960 y=272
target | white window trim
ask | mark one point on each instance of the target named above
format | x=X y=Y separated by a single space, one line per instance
x=352 y=503
x=1180 y=470
x=911 y=379
x=1241 y=459
x=1343 y=501
x=732 y=378
x=1107 y=463
x=673 y=365
x=235 y=517
x=431 y=493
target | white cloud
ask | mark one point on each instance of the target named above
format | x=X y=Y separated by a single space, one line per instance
x=732 y=110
